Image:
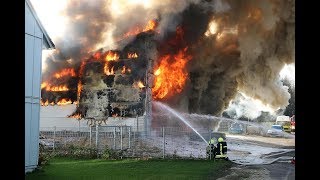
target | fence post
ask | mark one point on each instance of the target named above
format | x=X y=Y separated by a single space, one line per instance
x=90 y=140
x=121 y=137
x=54 y=137
x=114 y=138
x=97 y=136
x=164 y=143
x=129 y=137
x=137 y=124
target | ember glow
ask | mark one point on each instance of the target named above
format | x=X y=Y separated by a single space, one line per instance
x=138 y=84
x=76 y=116
x=170 y=77
x=65 y=72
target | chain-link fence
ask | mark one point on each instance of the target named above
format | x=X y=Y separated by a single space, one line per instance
x=161 y=142
x=134 y=141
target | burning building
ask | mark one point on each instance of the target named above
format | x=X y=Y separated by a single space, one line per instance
x=195 y=55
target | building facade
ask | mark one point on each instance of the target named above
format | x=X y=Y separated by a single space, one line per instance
x=36 y=39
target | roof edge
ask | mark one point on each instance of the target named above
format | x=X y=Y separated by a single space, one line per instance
x=45 y=34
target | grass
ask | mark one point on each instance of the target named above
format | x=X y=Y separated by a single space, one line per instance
x=66 y=168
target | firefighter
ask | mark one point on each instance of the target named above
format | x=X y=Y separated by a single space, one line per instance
x=211 y=149
x=221 y=149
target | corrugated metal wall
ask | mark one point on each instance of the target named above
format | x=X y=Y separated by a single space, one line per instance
x=33 y=53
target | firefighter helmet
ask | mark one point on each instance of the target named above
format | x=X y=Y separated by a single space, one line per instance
x=220 y=139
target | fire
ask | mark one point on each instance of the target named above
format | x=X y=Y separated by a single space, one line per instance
x=77 y=116
x=132 y=55
x=132 y=32
x=65 y=72
x=112 y=56
x=44 y=103
x=64 y=101
x=138 y=84
x=158 y=71
x=83 y=63
x=57 y=88
x=44 y=84
x=123 y=71
x=213 y=28
x=108 y=71
x=170 y=77
x=79 y=91
x=97 y=55
x=152 y=24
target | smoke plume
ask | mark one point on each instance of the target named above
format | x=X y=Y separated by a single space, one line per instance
x=235 y=46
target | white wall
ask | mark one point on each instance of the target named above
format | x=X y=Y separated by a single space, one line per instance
x=33 y=53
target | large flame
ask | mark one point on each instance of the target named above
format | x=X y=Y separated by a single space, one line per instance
x=54 y=88
x=112 y=56
x=65 y=72
x=170 y=77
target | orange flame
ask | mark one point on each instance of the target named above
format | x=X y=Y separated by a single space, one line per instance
x=132 y=55
x=83 y=63
x=57 y=88
x=170 y=77
x=64 y=101
x=79 y=91
x=65 y=72
x=112 y=56
x=138 y=84
x=152 y=24
x=123 y=71
x=108 y=71
x=44 y=84
x=97 y=55
x=44 y=103
x=77 y=116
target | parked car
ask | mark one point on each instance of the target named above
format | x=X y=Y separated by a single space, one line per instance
x=276 y=130
x=236 y=128
x=47 y=143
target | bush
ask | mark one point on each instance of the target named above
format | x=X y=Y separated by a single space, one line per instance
x=77 y=152
x=111 y=154
x=44 y=156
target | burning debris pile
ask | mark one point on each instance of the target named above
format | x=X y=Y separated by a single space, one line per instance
x=195 y=55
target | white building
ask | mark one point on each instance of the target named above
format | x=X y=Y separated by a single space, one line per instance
x=36 y=39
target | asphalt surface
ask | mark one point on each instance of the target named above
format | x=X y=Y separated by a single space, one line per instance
x=281 y=169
